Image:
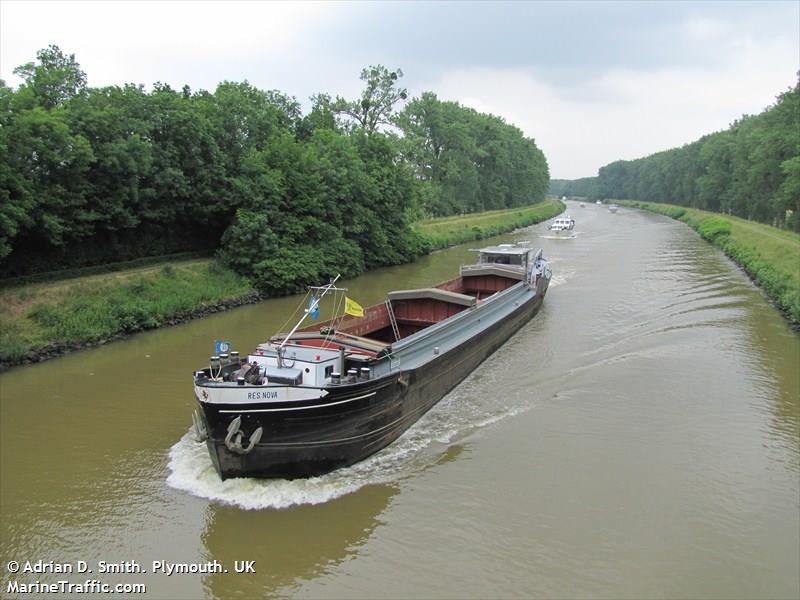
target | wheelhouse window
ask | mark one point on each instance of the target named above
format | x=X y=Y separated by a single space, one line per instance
x=503 y=259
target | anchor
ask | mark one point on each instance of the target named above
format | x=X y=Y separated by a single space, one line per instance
x=403 y=382
x=233 y=441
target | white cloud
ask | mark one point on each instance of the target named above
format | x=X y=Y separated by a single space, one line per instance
x=200 y=43
x=627 y=113
x=704 y=28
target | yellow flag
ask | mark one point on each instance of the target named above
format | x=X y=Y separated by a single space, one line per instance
x=351 y=307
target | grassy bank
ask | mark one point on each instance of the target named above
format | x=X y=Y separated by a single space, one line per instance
x=47 y=319
x=42 y=319
x=449 y=231
x=114 y=267
x=770 y=256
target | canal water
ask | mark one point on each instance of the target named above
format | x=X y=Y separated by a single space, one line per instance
x=637 y=439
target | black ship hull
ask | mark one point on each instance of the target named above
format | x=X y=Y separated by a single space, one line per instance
x=354 y=421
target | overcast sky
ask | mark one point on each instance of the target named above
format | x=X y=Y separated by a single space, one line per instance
x=590 y=82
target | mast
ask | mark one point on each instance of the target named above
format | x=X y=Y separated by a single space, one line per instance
x=325 y=289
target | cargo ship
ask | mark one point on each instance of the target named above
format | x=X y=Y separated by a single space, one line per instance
x=328 y=395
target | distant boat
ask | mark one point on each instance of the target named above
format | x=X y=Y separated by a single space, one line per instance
x=563 y=225
x=598 y=203
x=582 y=205
x=613 y=208
x=329 y=395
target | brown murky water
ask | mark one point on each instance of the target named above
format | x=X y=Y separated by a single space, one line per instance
x=638 y=439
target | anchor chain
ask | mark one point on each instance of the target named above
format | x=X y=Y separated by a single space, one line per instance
x=233 y=441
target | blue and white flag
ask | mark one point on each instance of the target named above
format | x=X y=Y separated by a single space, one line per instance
x=221 y=347
x=313 y=307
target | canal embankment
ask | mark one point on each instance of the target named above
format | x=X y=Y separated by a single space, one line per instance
x=45 y=319
x=770 y=256
x=449 y=231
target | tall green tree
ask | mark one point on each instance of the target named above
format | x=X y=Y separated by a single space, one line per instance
x=377 y=103
x=55 y=79
x=749 y=170
x=95 y=175
x=469 y=161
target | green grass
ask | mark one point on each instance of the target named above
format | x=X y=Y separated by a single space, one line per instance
x=769 y=255
x=90 y=309
x=449 y=231
x=99 y=269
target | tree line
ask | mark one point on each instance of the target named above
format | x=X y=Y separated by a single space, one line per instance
x=751 y=170
x=96 y=175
